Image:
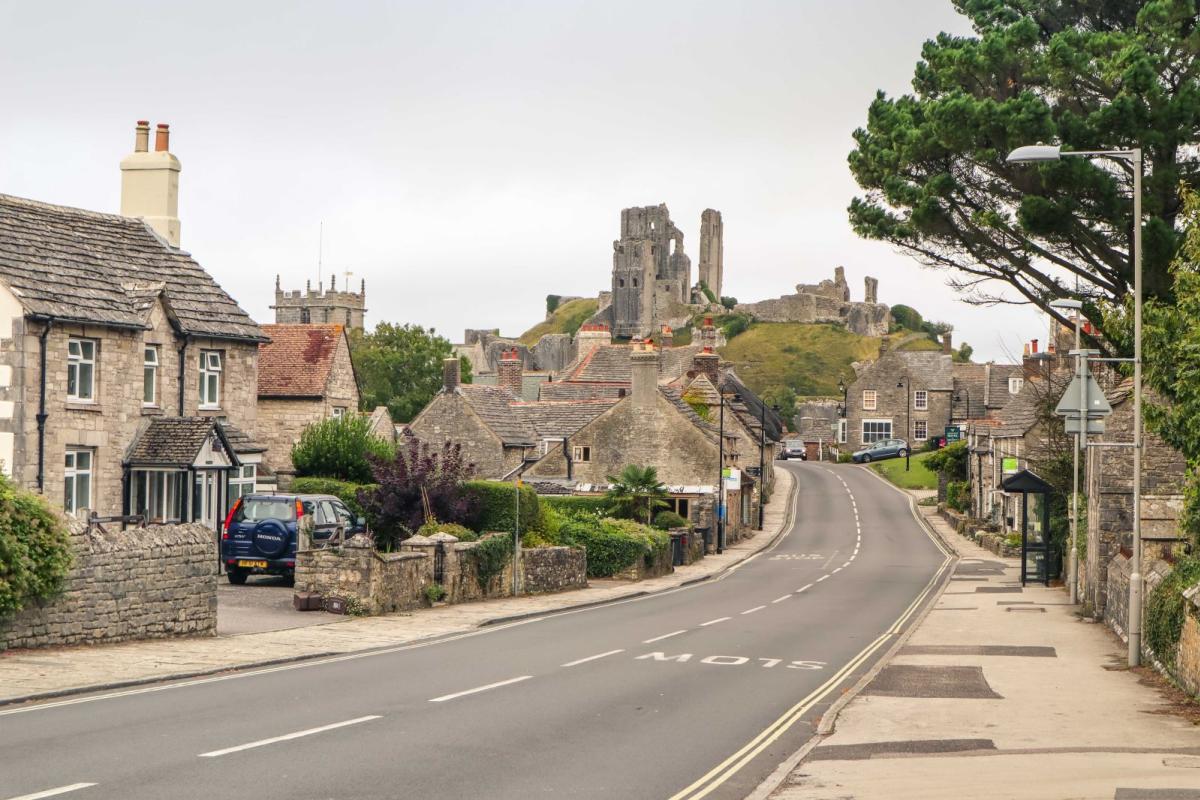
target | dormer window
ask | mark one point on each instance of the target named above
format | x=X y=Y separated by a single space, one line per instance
x=210 y=379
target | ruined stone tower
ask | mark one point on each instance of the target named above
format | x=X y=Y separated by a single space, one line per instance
x=712 y=250
x=343 y=308
x=651 y=272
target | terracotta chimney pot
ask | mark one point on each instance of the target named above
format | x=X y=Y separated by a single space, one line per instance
x=162 y=138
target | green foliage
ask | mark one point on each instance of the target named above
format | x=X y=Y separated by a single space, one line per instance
x=958 y=496
x=729 y=302
x=465 y=374
x=612 y=545
x=495 y=507
x=1013 y=540
x=907 y=317
x=785 y=399
x=339 y=448
x=951 y=460
x=1171 y=358
x=567 y=317
x=461 y=532
x=733 y=325
x=918 y=476
x=637 y=491
x=345 y=491
x=552 y=301
x=1166 y=610
x=35 y=549
x=574 y=505
x=490 y=556
x=708 y=293
x=665 y=520
x=963 y=354
x=1089 y=75
x=399 y=366
x=433 y=593
x=844 y=458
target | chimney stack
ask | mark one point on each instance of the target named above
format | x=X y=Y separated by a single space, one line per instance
x=668 y=337
x=645 y=375
x=947 y=344
x=451 y=374
x=708 y=333
x=150 y=183
x=705 y=363
x=589 y=337
x=508 y=372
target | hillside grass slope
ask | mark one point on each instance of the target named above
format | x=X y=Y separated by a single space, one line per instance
x=566 y=319
x=807 y=358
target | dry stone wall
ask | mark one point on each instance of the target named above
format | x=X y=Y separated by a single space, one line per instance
x=141 y=583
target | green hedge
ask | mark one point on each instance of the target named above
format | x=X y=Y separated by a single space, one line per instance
x=496 y=507
x=665 y=520
x=35 y=549
x=958 y=495
x=345 y=491
x=574 y=505
x=613 y=545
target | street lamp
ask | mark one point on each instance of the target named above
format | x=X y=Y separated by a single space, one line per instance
x=906 y=384
x=1043 y=152
x=1080 y=438
x=845 y=390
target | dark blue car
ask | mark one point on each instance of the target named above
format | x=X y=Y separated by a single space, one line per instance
x=260 y=532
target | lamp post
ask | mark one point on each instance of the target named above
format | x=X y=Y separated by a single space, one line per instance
x=1133 y=156
x=721 y=481
x=906 y=384
x=762 y=457
x=1080 y=438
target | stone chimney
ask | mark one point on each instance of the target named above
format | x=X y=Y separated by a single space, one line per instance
x=645 y=375
x=150 y=182
x=1034 y=365
x=708 y=334
x=947 y=343
x=589 y=337
x=451 y=374
x=705 y=363
x=508 y=372
x=668 y=337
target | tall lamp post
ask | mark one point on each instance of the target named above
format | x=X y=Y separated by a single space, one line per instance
x=906 y=384
x=1080 y=439
x=1133 y=156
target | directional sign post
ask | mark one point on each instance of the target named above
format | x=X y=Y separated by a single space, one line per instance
x=1083 y=404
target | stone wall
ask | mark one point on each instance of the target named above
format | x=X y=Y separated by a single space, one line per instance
x=1187 y=662
x=1116 y=610
x=652 y=566
x=142 y=583
x=828 y=301
x=553 y=569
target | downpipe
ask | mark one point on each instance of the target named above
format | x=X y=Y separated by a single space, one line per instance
x=42 y=415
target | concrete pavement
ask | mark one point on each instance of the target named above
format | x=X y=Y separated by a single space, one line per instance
x=32 y=674
x=1003 y=692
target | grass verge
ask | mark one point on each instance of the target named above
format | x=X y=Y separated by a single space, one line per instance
x=918 y=476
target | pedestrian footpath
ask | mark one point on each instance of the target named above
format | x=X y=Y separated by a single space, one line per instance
x=31 y=674
x=1001 y=692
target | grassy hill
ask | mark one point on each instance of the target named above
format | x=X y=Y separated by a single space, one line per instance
x=566 y=319
x=807 y=358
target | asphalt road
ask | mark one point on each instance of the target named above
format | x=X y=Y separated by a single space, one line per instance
x=697 y=692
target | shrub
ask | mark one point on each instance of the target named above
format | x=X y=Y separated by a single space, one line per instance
x=1167 y=609
x=433 y=592
x=734 y=325
x=669 y=519
x=345 y=491
x=572 y=505
x=35 y=549
x=844 y=458
x=464 y=534
x=958 y=495
x=907 y=317
x=494 y=507
x=491 y=554
x=339 y=447
x=729 y=302
x=612 y=545
x=950 y=460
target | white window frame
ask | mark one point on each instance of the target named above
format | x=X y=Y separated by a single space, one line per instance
x=161 y=491
x=1015 y=384
x=211 y=366
x=150 y=364
x=548 y=443
x=920 y=429
x=76 y=361
x=241 y=483
x=338 y=412
x=581 y=453
x=870 y=400
x=843 y=430
x=921 y=400
x=72 y=472
x=876 y=438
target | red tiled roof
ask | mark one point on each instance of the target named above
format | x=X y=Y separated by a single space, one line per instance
x=297 y=360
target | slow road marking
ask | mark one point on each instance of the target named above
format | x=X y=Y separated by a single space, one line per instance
x=478 y=689
x=287 y=737
x=592 y=658
x=53 y=792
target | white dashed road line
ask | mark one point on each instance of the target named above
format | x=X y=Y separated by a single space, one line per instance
x=781 y=599
x=752 y=610
x=577 y=662
x=823 y=577
x=478 y=689
x=285 y=737
x=665 y=636
x=714 y=621
x=53 y=792
x=804 y=588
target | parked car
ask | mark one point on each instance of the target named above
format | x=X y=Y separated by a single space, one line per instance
x=794 y=449
x=260 y=533
x=884 y=448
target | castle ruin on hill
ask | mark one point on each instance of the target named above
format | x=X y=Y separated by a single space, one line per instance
x=827 y=301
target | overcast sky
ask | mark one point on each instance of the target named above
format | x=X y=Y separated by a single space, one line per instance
x=469 y=158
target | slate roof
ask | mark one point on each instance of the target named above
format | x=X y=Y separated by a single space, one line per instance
x=611 y=363
x=175 y=442
x=676 y=397
x=239 y=440
x=701 y=389
x=495 y=407
x=1022 y=412
x=298 y=359
x=582 y=390
x=970 y=381
x=561 y=419
x=83 y=266
x=754 y=405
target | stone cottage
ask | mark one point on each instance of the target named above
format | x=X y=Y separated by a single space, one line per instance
x=111 y=337
x=903 y=394
x=305 y=375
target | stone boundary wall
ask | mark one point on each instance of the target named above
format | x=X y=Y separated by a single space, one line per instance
x=1116 y=610
x=652 y=567
x=141 y=583
x=1187 y=663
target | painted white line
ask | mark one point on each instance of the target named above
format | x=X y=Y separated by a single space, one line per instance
x=478 y=689
x=286 y=737
x=665 y=636
x=843 y=565
x=591 y=658
x=839 y=569
x=53 y=792
x=823 y=577
x=714 y=621
x=803 y=588
x=752 y=610
x=781 y=599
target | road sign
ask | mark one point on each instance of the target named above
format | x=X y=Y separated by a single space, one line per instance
x=1095 y=425
x=733 y=478
x=953 y=434
x=1098 y=405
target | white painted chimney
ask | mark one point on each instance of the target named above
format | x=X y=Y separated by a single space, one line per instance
x=150 y=182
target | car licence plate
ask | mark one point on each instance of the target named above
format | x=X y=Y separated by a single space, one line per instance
x=259 y=564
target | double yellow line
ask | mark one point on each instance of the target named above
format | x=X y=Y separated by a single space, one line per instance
x=721 y=773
